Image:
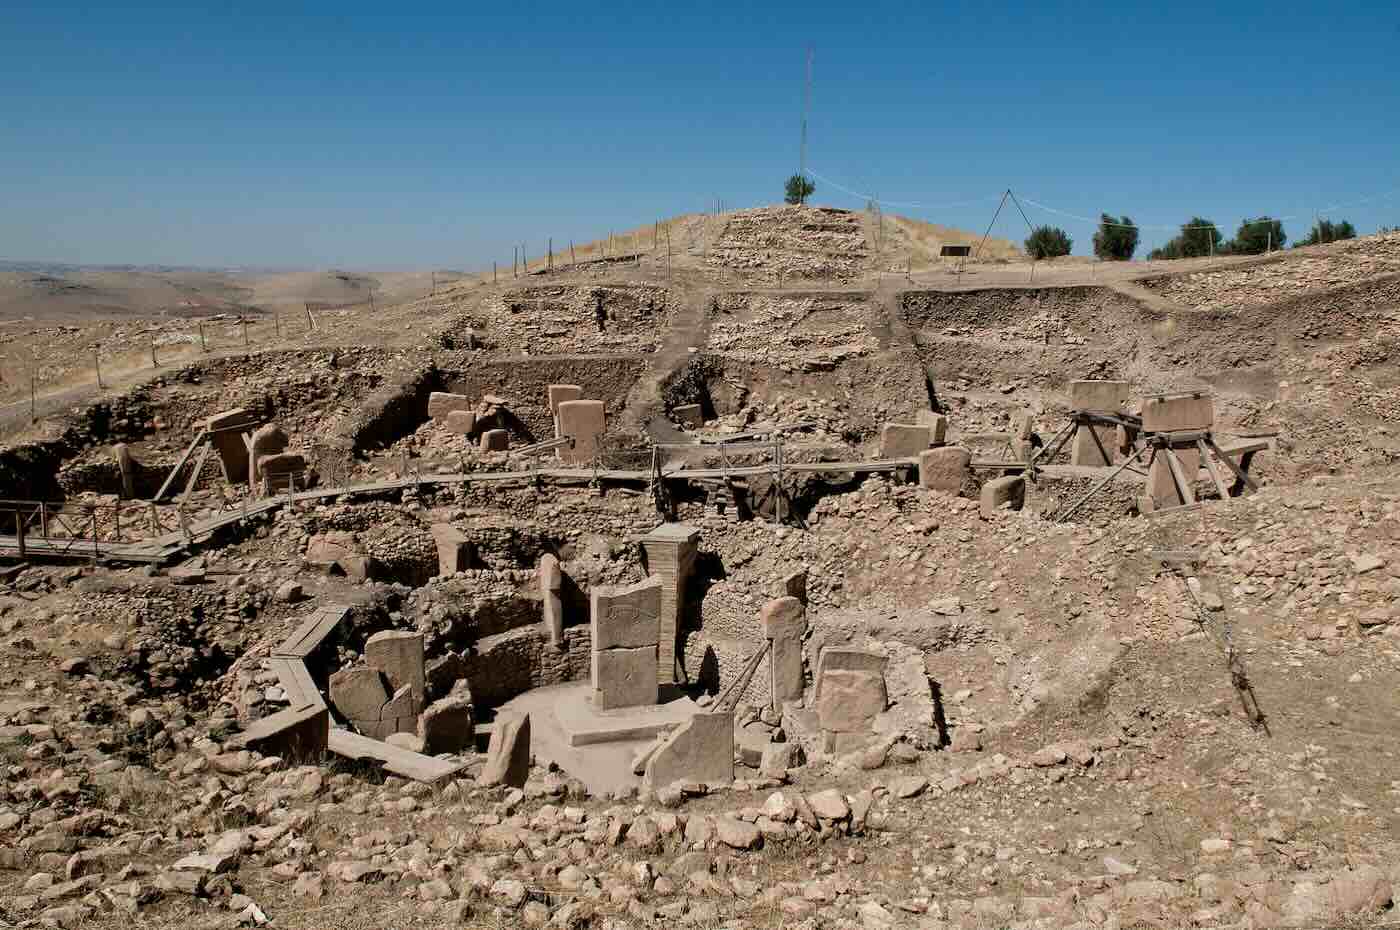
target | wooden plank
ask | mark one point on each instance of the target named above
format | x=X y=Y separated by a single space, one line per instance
x=195 y=472
x=316 y=627
x=1210 y=467
x=296 y=681
x=402 y=762
x=1184 y=489
x=174 y=472
x=1240 y=473
x=1243 y=448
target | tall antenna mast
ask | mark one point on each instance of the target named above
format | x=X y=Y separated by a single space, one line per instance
x=806 y=105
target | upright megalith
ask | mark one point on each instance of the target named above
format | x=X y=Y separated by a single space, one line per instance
x=1094 y=442
x=945 y=468
x=495 y=440
x=268 y=440
x=850 y=693
x=904 y=440
x=462 y=422
x=670 y=550
x=784 y=621
x=455 y=552
x=399 y=655
x=558 y=394
x=625 y=626
x=583 y=421
x=441 y=404
x=446 y=725
x=551 y=581
x=508 y=753
x=937 y=424
x=126 y=468
x=699 y=750
x=1188 y=414
x=1005 y=493
x=226 y=436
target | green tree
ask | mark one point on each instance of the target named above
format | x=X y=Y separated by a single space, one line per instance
x=798 y=189
x=1255 y=237
x=1199 y=236
x=1328 y=231
x=1048 y=242
x=1117 y=238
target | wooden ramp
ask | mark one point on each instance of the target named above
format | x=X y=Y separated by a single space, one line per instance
x=402 y=762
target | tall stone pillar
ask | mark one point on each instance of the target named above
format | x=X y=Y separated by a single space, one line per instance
x=671 y=549
x=1091 y=442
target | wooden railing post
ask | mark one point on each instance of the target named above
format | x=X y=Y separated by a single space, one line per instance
x=19 y=531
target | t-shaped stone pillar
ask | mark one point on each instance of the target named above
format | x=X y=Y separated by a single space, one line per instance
x=670 y=550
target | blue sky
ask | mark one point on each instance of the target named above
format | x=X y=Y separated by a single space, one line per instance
x=414 y=136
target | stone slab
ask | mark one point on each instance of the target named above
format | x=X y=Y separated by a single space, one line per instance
x=690 y=416
x=903 y=440
x=784 y=620
x=840 y=658
x=560 y=393
x=401 y=762
x=1008 y=489
x=461 y=421
x=226 y=436
x=937 y=425
x=851 y=700
x=268 y=439
x=508 y=753
x=627 y=617
x=399 y=655
x=358 y=692
x=699 y=750
x=447 y=725
x=1186 y=412
x=550 y=577
x=585 y=725
x=584 y=421
x=624 y=678
x=1098 y=396
x=441 y=403
x=945 y=468
x=454 y=551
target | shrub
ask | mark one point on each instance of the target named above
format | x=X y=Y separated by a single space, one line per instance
x=1048 y=242
x=1328 y=231
x=1117 y=238
x=798 y=189
x=1198 y=237
x=1254 y=237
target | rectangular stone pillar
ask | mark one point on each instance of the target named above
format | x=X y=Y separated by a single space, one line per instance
x=671 y=549
x=904 y=440
x=626 y=628
x=1095 y=397
x=584 y=421
x=226 y=436
x=558 y=394
x=1188 y=413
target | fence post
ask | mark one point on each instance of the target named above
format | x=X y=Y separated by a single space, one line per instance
x=243 y=321
x=277 y=324
x=97 y=364
x=493 y=272
x=33 y=401
x=154 y=363
x=203 y=346
x=19 y=531
x=310 y=320
x=94 y=534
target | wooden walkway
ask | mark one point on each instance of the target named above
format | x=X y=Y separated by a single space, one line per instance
x=160 y=549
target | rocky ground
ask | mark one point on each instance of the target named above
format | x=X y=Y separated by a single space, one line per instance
x=1091 y=763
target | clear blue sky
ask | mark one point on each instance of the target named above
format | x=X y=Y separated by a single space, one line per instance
x=413 y=136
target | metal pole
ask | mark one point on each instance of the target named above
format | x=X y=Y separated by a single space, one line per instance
x=97 y=364
x=493 y=272
x=19 y=531
x=243 y=321
x=33 y=402
x=277 y=323
x=154 y=363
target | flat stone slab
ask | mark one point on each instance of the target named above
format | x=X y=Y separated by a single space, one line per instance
x=403 y=762
x=584 y=725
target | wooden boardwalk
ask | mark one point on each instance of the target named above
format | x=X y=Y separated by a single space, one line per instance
x=160 y=549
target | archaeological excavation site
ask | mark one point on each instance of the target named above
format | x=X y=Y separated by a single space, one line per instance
x=740 y=572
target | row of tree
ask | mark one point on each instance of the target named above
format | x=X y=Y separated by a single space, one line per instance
x=1117 y=239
